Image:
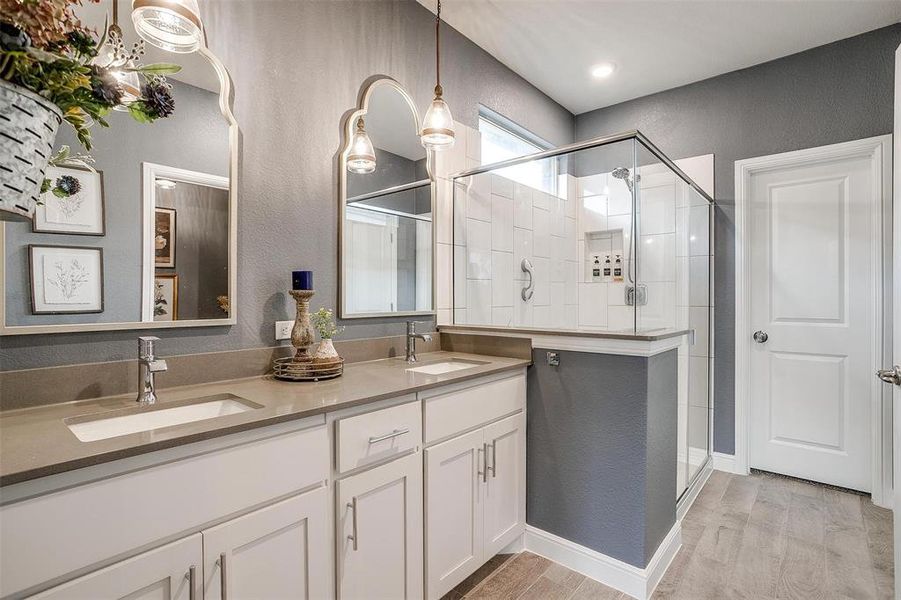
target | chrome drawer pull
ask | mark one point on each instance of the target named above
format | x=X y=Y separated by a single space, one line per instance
x=352 y=505
x=493 y=459
x=388 y=436
x=223 y=578
x=192 y=574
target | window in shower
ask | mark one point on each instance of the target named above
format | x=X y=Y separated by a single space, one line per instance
x=503 y=140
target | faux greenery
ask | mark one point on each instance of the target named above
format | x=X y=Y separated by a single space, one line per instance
x=324 y=323
x=46 y=49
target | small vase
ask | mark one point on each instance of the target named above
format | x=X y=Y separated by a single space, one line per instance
x=325 y=352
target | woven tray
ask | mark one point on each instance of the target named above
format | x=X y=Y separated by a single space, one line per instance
x=288 y=370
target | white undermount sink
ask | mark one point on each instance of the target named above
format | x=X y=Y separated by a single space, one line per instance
x=90 y=428
x=446 y=366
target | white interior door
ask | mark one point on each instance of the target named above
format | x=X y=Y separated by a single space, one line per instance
x=814 y=261
x=371 y=250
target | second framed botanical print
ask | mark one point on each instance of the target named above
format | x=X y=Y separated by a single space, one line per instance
x=66 y=279
x=164 y=237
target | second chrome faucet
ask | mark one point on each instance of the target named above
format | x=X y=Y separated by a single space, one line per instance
x=148 y=365
x=412 y=336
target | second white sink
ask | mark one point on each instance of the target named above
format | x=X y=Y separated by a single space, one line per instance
x=446 y=366
x=90 y=428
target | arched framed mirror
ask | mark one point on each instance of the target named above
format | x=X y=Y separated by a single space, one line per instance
x=150 y=239
x=386 y=197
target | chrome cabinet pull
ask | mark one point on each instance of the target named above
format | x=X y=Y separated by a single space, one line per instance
x=481 y=462
x=352 y=505
x=527 y=268
x=192 y=574
x=892 y=375
x=223 y=577
x=493 y=458
x=388 y=436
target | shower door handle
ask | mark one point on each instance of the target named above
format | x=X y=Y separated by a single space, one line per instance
x=527 y=268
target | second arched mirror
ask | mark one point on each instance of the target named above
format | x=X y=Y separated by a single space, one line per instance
x=386 y=196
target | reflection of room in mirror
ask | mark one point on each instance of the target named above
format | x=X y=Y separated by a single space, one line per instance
x=198 y=245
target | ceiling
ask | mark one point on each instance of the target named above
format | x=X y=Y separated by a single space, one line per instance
x=655 y=44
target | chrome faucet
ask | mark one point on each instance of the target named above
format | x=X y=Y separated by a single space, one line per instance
x=412 y=336
x=148 y=364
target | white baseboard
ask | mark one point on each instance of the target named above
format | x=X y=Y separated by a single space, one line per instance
x=636 y=582
x=726 y=462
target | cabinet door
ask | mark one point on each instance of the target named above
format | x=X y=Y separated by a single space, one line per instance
x=166 y=573
x=379 y=529
x=453 y=509
x=280 y=551
x=505 y=494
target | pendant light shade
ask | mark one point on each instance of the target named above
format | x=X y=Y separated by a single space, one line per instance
x=172 y=25
x=362 y=155
x=438 y=125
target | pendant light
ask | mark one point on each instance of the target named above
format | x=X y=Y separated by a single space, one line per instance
x=172 y=25
x=362 y=155
x=113 y=56
x=438 y=125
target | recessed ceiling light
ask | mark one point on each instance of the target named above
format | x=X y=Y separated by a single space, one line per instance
x=603 y=70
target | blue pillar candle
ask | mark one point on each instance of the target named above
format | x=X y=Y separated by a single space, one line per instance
x=301 y=280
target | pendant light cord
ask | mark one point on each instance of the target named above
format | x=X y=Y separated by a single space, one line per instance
x=438 y=90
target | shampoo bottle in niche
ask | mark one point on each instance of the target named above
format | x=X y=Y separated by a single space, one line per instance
x=596 y=267
x=618 y=268
x=608 y=268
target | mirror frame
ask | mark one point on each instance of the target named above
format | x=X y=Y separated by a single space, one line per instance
x=225 y=106
x=350 y=120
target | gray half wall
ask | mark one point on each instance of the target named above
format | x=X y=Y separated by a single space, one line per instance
x=297 y=67
x=830 y=94
x=601 y=451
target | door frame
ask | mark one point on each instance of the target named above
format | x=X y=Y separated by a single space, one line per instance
x=879 y=150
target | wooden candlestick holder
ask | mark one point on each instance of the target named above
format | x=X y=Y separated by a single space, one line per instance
x=302 y=332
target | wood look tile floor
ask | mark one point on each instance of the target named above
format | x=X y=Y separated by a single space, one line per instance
x=761 y=536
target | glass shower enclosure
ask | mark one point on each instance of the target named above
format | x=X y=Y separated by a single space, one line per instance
x=607 y=236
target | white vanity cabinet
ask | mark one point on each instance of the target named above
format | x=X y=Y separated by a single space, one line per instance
x=474 y=481
x=378 y=504
x=166 y=573
x=279 y=551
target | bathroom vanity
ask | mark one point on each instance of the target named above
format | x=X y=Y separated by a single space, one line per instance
x=395 y=481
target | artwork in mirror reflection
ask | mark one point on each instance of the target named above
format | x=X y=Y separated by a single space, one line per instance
x=172 y=175
x=387 y=226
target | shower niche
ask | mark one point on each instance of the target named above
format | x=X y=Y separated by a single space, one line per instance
x=602 y=250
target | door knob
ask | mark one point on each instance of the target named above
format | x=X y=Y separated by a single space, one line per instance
x=892 y=375
x=760 y=337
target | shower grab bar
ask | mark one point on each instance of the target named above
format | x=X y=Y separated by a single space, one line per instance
x=527 y=291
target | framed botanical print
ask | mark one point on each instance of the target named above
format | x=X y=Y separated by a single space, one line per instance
x=164 y=237
x=66 y=279
x=165 y=297
x=74 y=204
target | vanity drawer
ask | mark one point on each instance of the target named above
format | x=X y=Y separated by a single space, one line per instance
x=374 y=436
x=472 y=404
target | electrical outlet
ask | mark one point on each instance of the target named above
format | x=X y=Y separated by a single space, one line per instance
x=283 y=330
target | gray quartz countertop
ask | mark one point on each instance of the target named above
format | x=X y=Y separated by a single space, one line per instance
x=36 y=442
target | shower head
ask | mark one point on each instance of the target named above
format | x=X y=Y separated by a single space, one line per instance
x=624 y=174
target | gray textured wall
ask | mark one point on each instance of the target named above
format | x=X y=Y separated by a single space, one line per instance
x=599 y=428
x=834 y=93
x=297 y=67
x=195 y=138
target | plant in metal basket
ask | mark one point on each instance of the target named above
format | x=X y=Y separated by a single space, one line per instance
x=45 y=49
